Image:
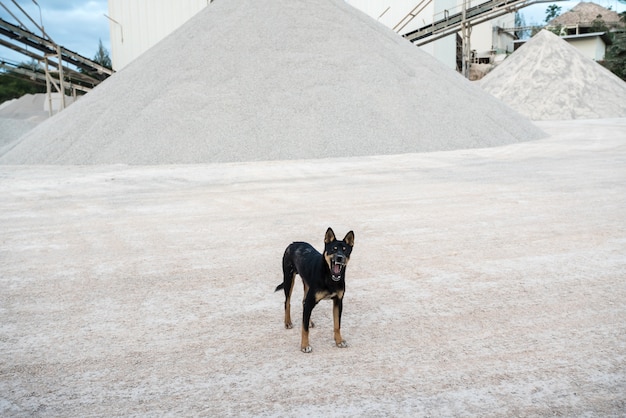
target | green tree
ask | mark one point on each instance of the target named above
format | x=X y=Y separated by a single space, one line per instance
x=552 y=11
x=615 y=57
x=557 y=30
x=102 y=56
x=598 y=25
x=520 y=22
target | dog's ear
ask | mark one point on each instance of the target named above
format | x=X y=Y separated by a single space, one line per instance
x=349 y=239
x=330 y=236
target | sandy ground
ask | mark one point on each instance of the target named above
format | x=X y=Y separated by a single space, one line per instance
x=487 y=282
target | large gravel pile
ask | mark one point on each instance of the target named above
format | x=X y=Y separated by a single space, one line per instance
x=548 y=79
x=247 y=80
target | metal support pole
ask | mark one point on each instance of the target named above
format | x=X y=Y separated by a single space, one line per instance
x=48 y=84
x=51 y=82
x=61 y=79
x=466 y=31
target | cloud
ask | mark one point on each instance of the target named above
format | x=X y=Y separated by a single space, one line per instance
x=74 y=24
x=78 y=25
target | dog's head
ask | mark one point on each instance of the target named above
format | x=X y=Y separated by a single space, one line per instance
x=337 y=253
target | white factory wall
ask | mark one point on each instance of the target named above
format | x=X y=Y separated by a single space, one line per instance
x=485 y=36
x=592 y=47
x=392 y=13
x=137 y=25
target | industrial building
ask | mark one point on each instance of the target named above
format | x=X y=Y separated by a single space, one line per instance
x=137 y=25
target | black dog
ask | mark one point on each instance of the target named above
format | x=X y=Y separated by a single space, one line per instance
x=323 y=277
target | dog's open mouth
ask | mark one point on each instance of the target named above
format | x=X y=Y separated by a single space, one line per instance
x=335 y=270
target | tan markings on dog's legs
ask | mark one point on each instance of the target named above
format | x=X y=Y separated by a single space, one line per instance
x=288 y=323
x=322 y=294
x=306 y=292
x=337 y=324
x=304 y=343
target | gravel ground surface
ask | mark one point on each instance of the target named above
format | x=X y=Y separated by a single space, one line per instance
x=486 y=282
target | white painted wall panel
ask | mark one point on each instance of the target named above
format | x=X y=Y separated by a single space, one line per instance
x=485 y=39
x=397 y=10
x=482 y=36
x=137 y=25
x=593 y=48
x=391 y=12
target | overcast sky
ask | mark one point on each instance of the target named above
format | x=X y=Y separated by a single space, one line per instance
x=79 y=24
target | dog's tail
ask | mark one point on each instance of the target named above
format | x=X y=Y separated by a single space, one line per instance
x=280 y=287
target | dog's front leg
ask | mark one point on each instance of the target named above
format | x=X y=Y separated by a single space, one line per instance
x=307 y=309
x=337 y=309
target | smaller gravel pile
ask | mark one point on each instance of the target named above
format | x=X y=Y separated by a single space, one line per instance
x=28 y=107
x=19 y=116
x=548 y=79
x=11 y=130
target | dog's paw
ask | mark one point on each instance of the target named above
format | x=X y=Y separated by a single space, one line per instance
x=306 y=349
x=288 y=325
x=342 y=344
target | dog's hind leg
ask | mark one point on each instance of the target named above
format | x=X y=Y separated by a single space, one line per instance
x=288 y=290
x=307 y=308
x=289 y=275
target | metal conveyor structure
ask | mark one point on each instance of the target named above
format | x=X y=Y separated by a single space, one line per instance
x=474 y=15
x=461 y=20
x=56 y=60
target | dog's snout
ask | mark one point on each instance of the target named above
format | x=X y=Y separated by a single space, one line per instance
x=340 y=258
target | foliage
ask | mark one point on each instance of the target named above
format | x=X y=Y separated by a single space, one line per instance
x=598 y=25
x=14 y=85
x=102 y=56
x=615 y=57
x=535 y=30
x=552 y=11
x=520 y=22
x=557 y=30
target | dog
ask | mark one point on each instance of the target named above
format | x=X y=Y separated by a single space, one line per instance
x=323 y=277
